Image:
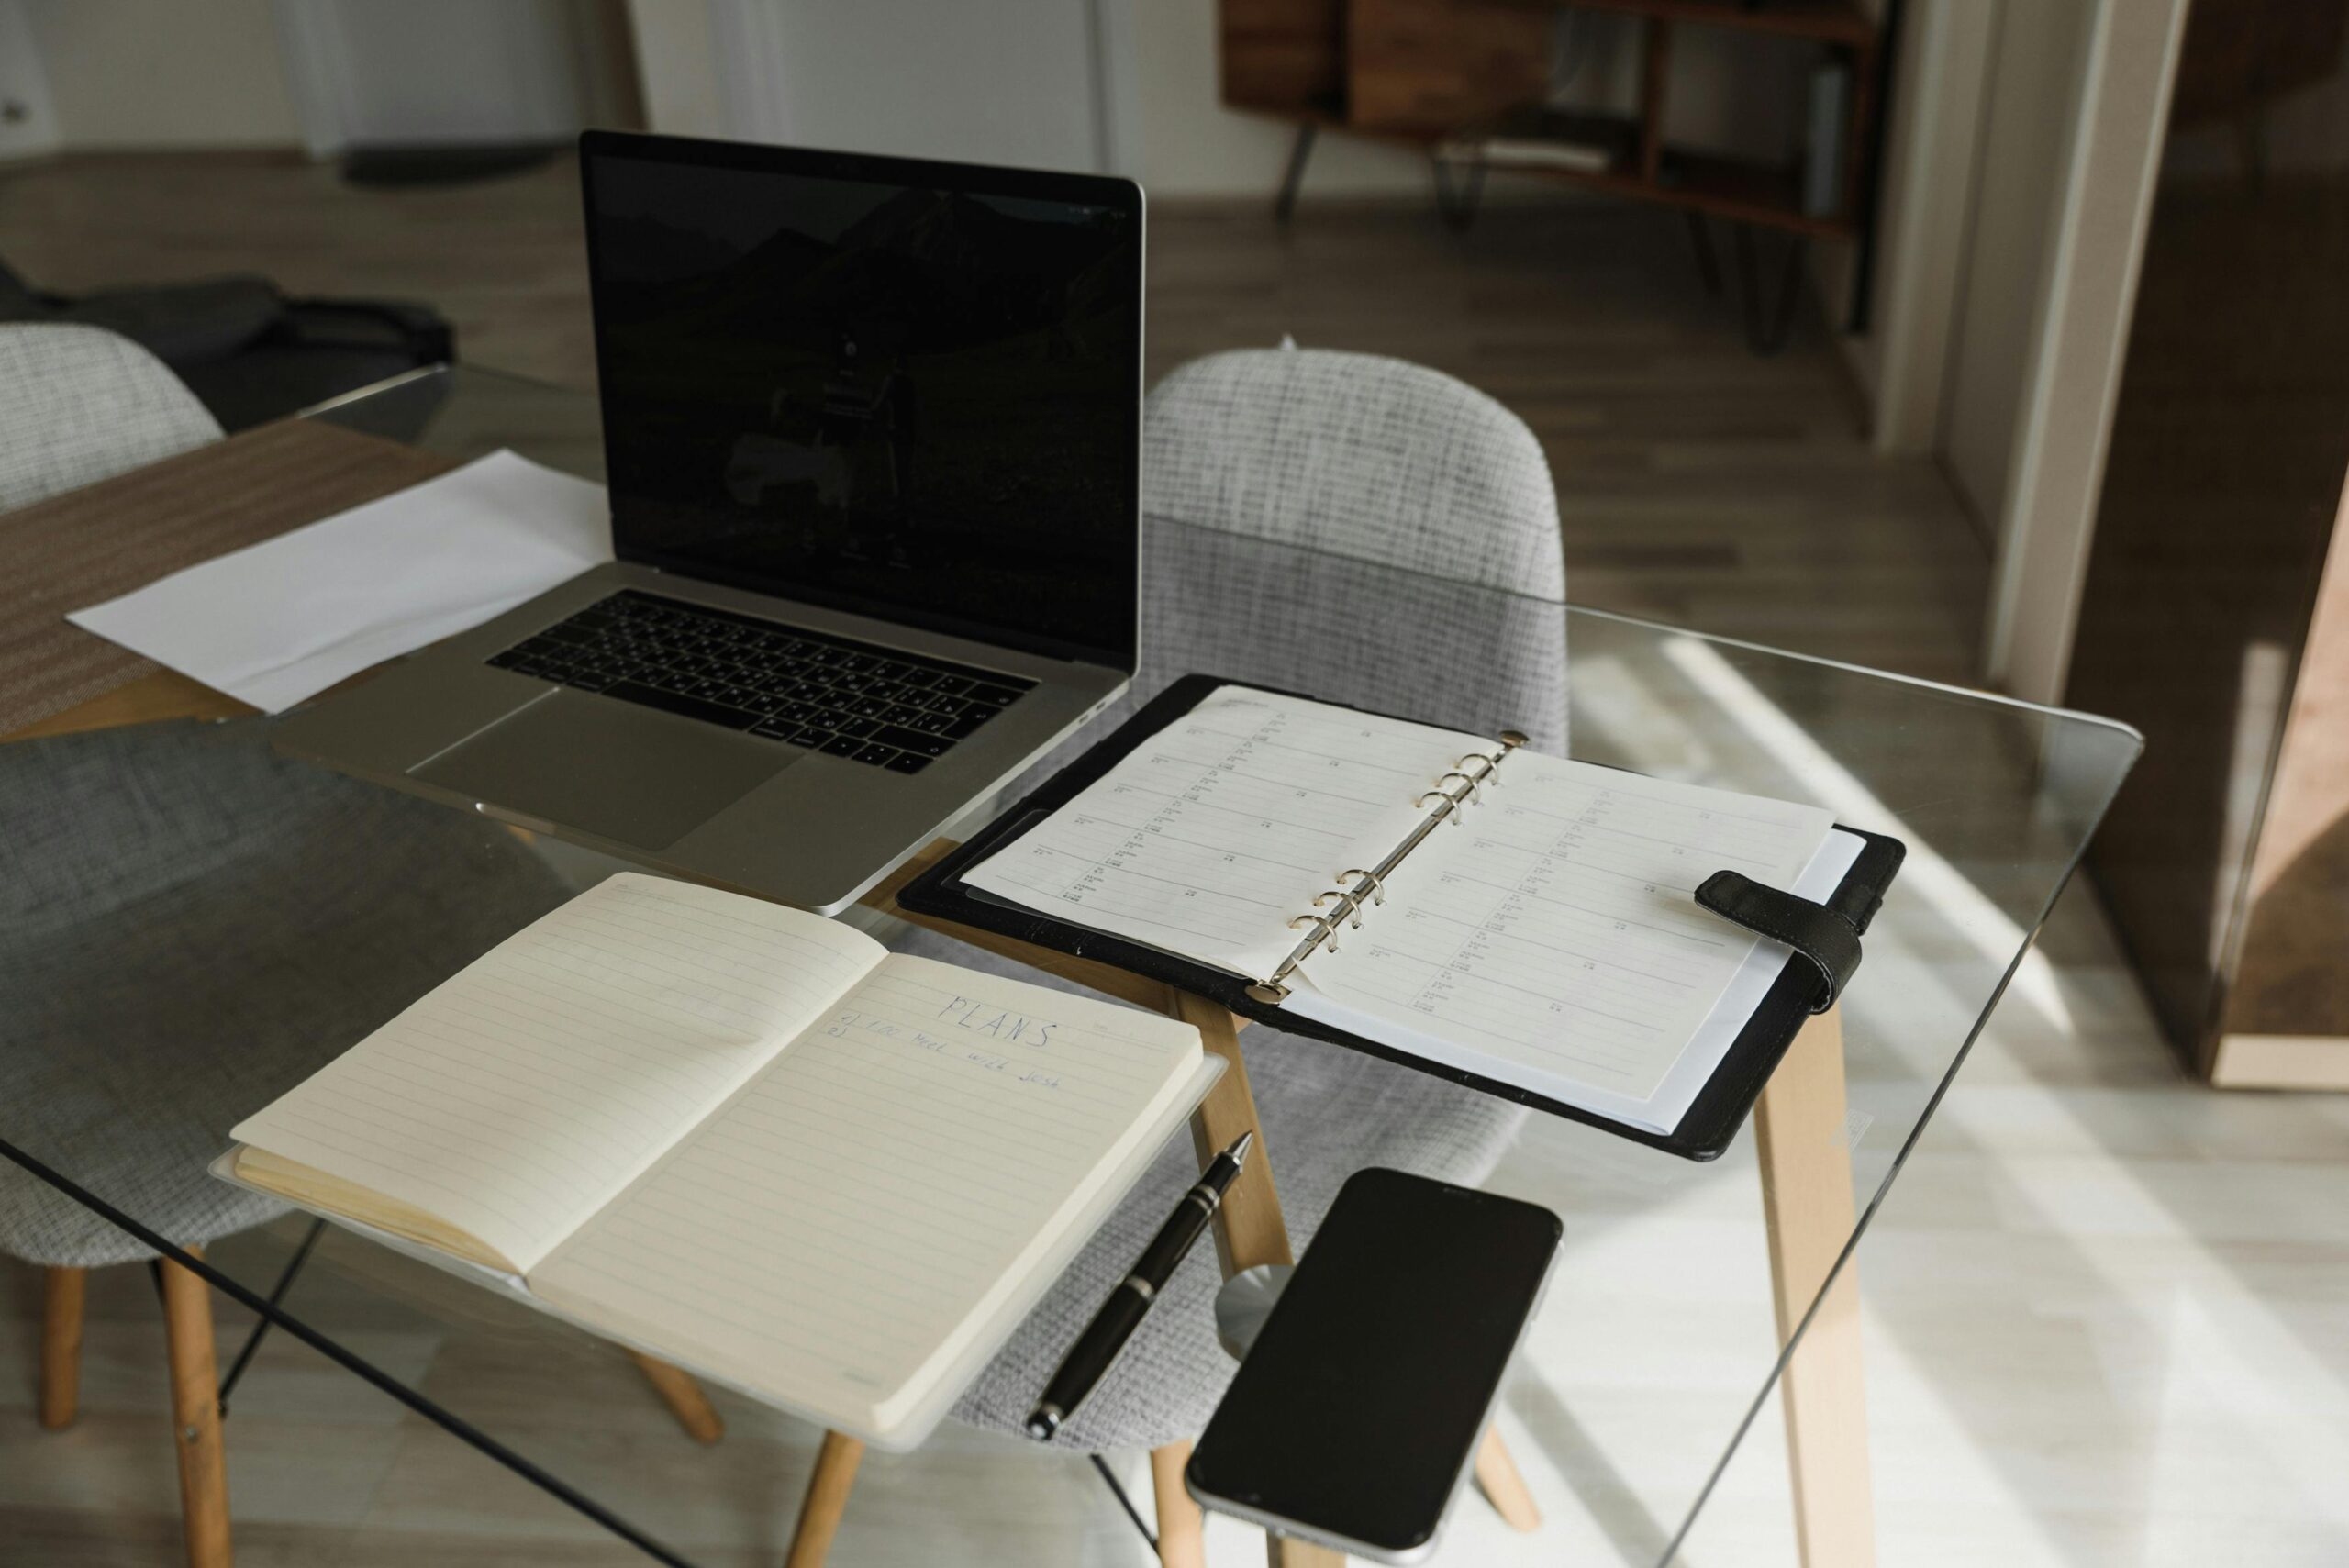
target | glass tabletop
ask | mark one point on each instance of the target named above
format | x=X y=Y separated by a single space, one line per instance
x=1683 y=1288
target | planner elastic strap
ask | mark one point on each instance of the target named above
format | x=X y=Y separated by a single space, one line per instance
x=1827 y=934
x=1340 y=906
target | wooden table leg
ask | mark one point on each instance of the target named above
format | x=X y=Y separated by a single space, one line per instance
x=63 y=1294
x=828 y=1490
x=1497 y=1478
x=682 y=1395
x=195 y=1416
x=1806 y=1205
x=1182 y=1538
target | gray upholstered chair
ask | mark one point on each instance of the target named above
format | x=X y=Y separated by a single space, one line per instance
x=1364 y=460
x=188 y=927
x=79 y=404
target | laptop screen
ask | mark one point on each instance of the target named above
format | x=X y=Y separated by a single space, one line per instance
x=904 y=389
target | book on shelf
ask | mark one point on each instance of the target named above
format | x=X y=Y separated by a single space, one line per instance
x=1538 y=136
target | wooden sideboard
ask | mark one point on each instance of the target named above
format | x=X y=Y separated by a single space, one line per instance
x=1418 y=70
x=1423 y=72
x=2215 y=618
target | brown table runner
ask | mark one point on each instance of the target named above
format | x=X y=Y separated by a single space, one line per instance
x=91 y=544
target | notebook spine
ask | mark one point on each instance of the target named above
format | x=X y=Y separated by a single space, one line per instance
x=1341 y=907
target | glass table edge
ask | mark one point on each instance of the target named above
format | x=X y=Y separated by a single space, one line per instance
x=2070 y=716
x=391 y=383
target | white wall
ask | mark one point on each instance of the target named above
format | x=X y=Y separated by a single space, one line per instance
x=1924 y=202
x=412 y=72
x=2049 y=513
x=676 y=67
x=1041 y=84
x=154 y=73
x=28 y=127
x=2032 y=106
x=2019 y=180
x=903 y=77
x=223 y=73
x=1004 y=82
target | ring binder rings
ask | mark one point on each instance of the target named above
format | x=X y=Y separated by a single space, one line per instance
x=1273 y=990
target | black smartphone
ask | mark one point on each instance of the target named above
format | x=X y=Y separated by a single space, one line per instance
x=1359 y=1406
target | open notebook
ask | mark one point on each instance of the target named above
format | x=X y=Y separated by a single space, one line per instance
x=744 y=1138
x=1519 y=917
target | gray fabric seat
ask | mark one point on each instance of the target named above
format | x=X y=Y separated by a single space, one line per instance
x=78 y=404
x=189 y=926
x=1372 y=461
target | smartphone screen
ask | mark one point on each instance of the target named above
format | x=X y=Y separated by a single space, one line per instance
x=1363 y=1397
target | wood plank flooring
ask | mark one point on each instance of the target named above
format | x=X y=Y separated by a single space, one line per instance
x=1698 y=484
x=2107 y=1312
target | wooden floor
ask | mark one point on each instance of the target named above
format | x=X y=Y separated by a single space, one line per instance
x=2108 y=1313
x=1698 y=484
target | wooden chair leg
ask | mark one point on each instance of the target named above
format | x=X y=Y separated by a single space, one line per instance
x=1806 y=1205
x=62 y=1292
x=1182 y=1538
x=684 y=1396
x=820 y=1511
x=1497 y=1479
x=195 y=1416
x=1285 y=1551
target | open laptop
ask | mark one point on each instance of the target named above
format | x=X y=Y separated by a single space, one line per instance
x=872 y=430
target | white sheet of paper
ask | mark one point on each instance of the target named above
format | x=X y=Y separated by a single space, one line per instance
x=282 y=620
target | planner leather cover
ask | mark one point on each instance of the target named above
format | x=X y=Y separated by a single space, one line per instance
x=1707 y=1129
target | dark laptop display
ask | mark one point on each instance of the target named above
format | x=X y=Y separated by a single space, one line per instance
x=909 y=399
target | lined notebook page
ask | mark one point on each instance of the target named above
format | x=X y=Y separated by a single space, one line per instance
x=1213 y=834
x=516 y=1098
x=1555 y=931
x=835 y=1235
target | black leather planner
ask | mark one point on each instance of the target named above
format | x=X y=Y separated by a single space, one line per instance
x=1824 y=936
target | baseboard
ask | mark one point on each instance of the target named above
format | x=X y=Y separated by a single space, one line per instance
x=2282 y=1061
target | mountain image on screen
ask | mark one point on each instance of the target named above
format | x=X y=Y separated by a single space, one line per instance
x=861 y=393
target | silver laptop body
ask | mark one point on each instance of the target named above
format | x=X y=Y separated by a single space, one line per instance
x=873 y=428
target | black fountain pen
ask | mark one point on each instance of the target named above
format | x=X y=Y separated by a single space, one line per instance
x=1098 y=1347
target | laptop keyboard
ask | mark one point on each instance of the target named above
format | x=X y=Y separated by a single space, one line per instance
x=871 y=704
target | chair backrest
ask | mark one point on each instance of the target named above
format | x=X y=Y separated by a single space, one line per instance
x=1356 y=455
x=78 y=404
x=1430 y=563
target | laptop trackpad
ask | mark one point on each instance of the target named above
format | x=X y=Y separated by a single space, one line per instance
x=608 y=768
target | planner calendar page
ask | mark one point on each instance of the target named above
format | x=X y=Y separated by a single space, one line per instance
x=1556 y=931
x=1545 y=933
